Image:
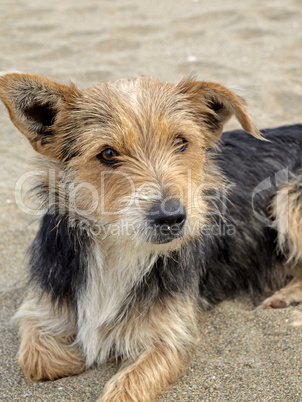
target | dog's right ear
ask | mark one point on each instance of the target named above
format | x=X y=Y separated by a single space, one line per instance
x=34 y=104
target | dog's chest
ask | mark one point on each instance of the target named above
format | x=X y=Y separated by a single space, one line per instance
x=110 y=280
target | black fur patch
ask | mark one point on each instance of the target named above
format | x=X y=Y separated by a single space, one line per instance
x=58 y=258
x=43 y=115
x=169 y=276
x=216 y=106
x=214 y=120
x=69 y=149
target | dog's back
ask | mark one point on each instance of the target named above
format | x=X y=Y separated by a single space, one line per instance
x=245 y=254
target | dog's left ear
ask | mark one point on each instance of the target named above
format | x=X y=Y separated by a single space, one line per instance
x=215 y=105
x=35 y=104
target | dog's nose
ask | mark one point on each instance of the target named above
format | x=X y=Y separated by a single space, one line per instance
x=169 y=217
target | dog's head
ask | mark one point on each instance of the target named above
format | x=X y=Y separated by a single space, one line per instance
x=133 y=155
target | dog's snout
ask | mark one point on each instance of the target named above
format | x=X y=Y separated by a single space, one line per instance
x=168 y=218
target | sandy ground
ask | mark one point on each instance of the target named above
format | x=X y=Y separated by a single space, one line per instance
x=244 y=354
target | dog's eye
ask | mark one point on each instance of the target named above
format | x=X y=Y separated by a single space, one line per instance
x=180 y=143
x=108 y=156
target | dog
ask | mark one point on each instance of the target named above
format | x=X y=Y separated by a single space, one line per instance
x=148 y=214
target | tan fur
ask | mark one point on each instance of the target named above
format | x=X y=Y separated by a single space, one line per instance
x=204 y=94
x=19 y=91
x=287 y=212
x=47 y=349
x=145 y=379
x=172 y=323
x=170 y=332
x=297 y=321
x=290 y=295
x=44 y=356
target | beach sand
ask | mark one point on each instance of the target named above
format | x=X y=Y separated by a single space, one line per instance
x=255 y=47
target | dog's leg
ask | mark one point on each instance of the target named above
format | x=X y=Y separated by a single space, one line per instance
x=143 y=380
x=287 y=211
x=46 y=350
x=290 y=295
x=172 y=331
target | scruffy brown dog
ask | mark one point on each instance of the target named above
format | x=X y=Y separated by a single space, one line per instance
x=146 y=220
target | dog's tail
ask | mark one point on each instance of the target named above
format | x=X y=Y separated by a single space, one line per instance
x=287 y=212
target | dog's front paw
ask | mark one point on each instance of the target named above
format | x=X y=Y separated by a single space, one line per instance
x=129 y=385
x=117 y=391
x=41 y=362
x=45 y=357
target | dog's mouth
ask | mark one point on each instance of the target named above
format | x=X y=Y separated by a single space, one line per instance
x=166 y=234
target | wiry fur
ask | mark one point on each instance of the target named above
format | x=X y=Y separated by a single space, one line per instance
x=101 y=281
x=161 y=353
x=287 y=211
x=287 y=214
x=47 y=350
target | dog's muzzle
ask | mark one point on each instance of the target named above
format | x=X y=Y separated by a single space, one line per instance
x=167 y=221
